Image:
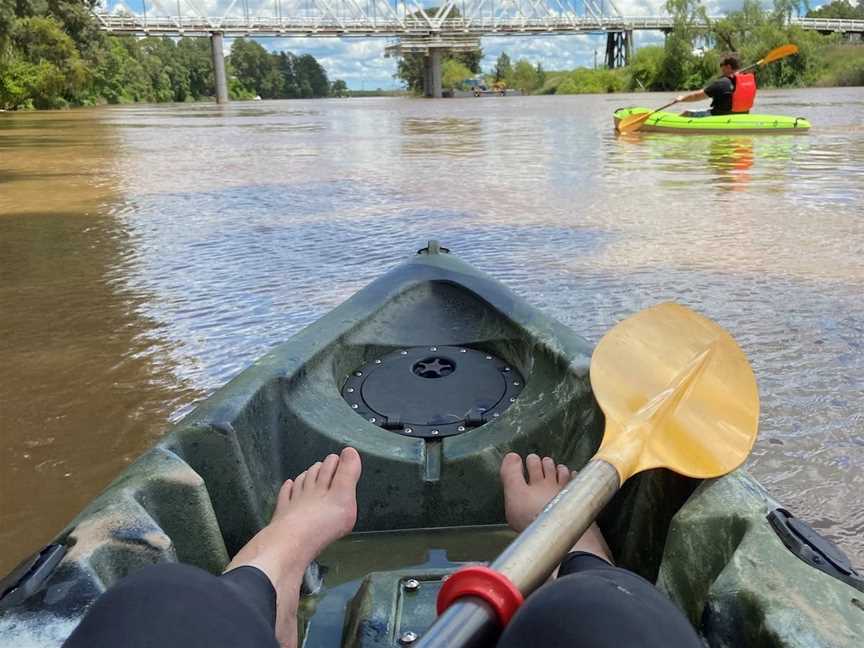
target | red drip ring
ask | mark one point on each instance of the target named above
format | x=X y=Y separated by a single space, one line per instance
x=485 y=583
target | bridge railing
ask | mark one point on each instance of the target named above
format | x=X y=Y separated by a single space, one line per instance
x=830 y=24
x=395 y=25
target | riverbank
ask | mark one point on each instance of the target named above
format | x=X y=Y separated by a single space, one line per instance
x=835 y=65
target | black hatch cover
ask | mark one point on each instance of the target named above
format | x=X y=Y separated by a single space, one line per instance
x=432 y=391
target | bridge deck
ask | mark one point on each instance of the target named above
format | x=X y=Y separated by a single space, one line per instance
x=394 y=26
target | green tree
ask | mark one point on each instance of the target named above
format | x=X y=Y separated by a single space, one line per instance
x=738 y=28
x=44 y=69
x=338 y=88
x=541 y=75
x=290 y=85
x=310 y=72
x=842 y=9
x=251 y=64
x=645 y=67
x=783 y=9
x=503 y=69
x=524 y=77
x=194 y=55
x=453 y=73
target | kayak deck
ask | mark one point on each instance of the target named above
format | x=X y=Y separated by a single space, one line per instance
x=426 y=502
x=668 y=122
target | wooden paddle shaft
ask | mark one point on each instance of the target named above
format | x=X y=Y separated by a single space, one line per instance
x=531 y=557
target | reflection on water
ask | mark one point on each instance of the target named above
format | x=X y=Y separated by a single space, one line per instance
x=443 y=137
x=730 y=157
x=149 y=253
x=84 y=386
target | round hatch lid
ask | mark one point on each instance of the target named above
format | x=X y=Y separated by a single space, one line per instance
x=432 y=391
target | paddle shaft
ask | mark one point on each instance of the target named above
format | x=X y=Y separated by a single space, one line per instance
x=531 y=557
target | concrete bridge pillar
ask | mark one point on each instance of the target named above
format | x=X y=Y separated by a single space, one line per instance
x=432 y=78
x=219 y=68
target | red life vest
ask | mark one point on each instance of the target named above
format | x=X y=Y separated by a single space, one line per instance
x=744 y=92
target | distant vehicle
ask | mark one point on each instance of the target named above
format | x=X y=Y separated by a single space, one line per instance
x=478 y=87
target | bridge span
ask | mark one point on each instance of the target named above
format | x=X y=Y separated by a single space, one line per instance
x=457 y=25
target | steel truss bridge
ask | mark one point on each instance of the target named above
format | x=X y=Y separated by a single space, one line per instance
x=455 y=25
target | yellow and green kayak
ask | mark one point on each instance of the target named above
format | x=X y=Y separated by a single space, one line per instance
x=668 y=122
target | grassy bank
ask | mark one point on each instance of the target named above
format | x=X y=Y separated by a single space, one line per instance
x=832 y=65
x=843 y=66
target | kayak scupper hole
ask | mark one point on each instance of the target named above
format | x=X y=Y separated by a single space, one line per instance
x=858 y=604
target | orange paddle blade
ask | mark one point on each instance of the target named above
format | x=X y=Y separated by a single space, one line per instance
x=633 y=122
x=778 y=53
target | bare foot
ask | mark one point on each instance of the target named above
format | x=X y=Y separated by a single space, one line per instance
x=312 y=511
x=524 y=500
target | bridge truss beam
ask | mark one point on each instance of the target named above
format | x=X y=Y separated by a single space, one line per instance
x=457 y=25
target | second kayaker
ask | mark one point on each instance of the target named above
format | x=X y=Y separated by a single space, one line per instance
x=733 y=93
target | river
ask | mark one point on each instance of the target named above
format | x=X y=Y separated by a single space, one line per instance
x=149 y=253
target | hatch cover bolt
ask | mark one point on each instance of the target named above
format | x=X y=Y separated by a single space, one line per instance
x=350 y=390
x=412 y=584
x=496 y=415
x=435 y=432
x=372 y=419
x=463 y=350
x=377 y=362
x=358 y=373
x=408 y=638
x=408 y=430
x=515 y=383
x=403 y=353
x=461 y=428
x=512 y=399
x=433 y=348
x=506 y=369
x=355 y=406
x=488 y=357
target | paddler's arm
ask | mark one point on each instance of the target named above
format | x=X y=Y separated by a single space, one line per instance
x=696 y=95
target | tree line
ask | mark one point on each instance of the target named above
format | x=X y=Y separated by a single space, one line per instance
x=52 y=55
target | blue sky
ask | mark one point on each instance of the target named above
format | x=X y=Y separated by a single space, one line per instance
x=362 y=64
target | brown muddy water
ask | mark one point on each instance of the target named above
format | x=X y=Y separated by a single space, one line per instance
x=149 y=253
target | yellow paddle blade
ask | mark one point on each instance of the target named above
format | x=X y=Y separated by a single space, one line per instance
x=778 y=53
x=633 y=122
x=677 y=392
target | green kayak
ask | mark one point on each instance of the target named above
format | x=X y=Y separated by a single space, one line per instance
x=744 y=571
x=667 y=122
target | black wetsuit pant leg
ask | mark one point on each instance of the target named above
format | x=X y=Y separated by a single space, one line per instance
x=179 y=606
x=595 y=605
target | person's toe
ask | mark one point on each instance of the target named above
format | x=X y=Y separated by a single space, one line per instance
x=299 y=480
x=549 y=474
x=535 y=468
x=328 y=469
x=312 y=475
x=511 y=472
x=285 y=490
x=284 y=496
x=348 y=469
x=563 y=474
